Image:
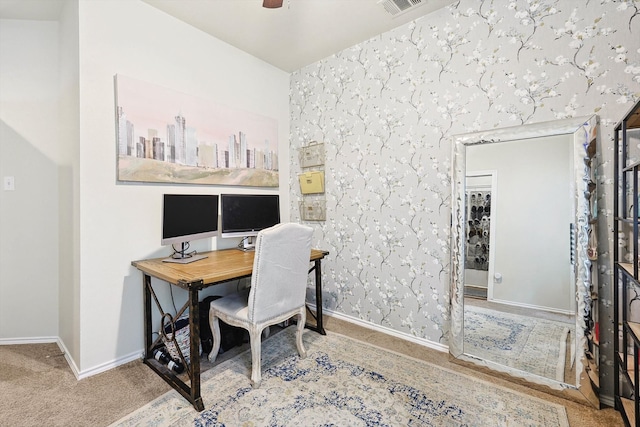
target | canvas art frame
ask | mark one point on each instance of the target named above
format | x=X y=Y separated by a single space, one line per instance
x=165 y=136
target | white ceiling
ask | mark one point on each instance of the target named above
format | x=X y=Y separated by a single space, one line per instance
x=291 y=37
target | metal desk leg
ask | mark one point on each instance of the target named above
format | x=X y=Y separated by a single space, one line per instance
x=148 y=334
x=194 y=335
x=319 y=297
x=190 y=392
x=319 y=328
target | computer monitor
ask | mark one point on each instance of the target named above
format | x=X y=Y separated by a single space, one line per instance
x=187 y=217
x=244 y=215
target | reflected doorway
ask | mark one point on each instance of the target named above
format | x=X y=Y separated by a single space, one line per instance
x=479 y=255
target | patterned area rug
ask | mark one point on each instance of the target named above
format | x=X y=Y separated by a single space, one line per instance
x=533 y=345
x=344 y=382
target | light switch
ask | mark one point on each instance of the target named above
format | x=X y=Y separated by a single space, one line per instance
x=9 y=183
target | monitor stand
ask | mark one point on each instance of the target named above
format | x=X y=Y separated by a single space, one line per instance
x=248 y=244
x=180 y=257
x=185 y=260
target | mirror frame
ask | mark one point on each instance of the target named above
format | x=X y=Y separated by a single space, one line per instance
x=583 y=130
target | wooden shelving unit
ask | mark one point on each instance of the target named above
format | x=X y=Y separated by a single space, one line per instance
x=626 y=222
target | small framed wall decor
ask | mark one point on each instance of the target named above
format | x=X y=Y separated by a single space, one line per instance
x=312 y=155
x=311 y=182
x=313 y=210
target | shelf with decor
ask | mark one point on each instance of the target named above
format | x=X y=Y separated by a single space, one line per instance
x=625 y=263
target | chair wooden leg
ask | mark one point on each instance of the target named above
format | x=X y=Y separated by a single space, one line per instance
x=302 y=319
x=217 y=338
x=256 y=347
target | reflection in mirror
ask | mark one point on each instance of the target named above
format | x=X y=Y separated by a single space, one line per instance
x=520 y=275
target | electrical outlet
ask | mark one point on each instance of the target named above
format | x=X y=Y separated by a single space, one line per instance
x=9 y=183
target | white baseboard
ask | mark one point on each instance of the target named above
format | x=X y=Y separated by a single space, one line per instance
x=532 y=306
x=70 y=361
x=30 y=340
x=378 y=328
x=136 y=355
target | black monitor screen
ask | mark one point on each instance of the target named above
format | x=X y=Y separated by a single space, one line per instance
x=247 y=214
x=187 y=217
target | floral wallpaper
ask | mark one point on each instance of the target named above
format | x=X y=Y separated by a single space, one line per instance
x=387 y=108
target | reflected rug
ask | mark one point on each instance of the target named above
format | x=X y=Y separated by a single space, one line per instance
x=344 y=382
x=533 y=345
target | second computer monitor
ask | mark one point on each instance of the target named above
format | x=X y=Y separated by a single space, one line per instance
x=244 y=215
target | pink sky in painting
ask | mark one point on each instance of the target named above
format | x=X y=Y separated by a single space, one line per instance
x=149 y=106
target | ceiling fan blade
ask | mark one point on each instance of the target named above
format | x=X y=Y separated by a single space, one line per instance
x=272 y=4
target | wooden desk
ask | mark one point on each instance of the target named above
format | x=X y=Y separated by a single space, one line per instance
x=219 y=267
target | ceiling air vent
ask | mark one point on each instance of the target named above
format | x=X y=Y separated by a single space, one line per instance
x=396 y=7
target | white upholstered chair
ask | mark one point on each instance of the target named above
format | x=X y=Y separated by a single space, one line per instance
x=277 y=293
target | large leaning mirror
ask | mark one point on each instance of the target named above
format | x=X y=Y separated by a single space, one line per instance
x=521 y=291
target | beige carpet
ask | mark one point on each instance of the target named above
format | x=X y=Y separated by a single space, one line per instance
x=38 y=388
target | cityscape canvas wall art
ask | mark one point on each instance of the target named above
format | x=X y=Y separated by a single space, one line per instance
x=165 y=136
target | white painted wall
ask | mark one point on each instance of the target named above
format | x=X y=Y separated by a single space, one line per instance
x=58 y=139
x=121 y=222
x=532 y=211
x=29 y=151
x=69 y=185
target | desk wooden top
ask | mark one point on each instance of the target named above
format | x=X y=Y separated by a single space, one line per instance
x=219 y=266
